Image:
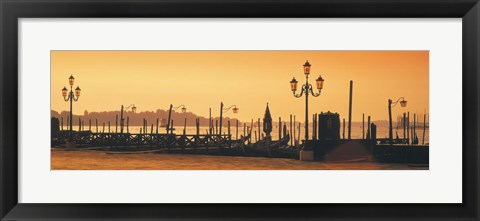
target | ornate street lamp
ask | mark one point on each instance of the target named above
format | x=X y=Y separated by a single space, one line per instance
x=307 y=88
x=184 y=109
x=225 y=110
x=70 y=96
x=403 y=103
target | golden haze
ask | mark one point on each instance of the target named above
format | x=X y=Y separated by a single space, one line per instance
x=201 y=79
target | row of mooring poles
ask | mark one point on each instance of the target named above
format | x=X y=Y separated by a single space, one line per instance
x=81 y=125
x=409 y=132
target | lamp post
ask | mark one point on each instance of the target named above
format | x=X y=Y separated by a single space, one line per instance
x=122 y=120
x=307 y=88
x=403 y=103
x=184 y=109
x=70 y=96
x=225 y=110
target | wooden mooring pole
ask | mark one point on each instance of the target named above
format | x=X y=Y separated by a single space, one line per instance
x=96 y=125
x=294 y=131
x=299 y=131
x=169 y=118
x=408 y=127
x=350 y=111
x=197 y=124
x=90 y=124
x=404 y=126
x=363 y=126
x=185 y=126
x=210 y=121
x=116 y=123
x=291 y=137
x=128 y=120
x=244 y=129
x=414 y=128
x=279 y=128
x=61 y=122
x=236 y=132
x=343 y=134
x=221 y=117
x=121 y=120
x=259 y=130
x=390 y=129
x=368 y=129
x=424 y=128
x=250 y=132
x=228 y=131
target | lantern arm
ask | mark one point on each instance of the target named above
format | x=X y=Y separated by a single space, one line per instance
x=69 y=94
x=304 y=89
x=228 y=108
x=396 y=102
x=176 y=108
x=67 y=98
x=75 y=98
x=310 y=88
x=129 y=106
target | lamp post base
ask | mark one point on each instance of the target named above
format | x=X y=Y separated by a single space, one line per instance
x=70 y=145
x=306 y=155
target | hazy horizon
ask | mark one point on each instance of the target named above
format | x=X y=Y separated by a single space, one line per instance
x=200 y=80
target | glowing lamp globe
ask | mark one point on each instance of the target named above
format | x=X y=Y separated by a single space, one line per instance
x=293 y=84
x=64 y=92
x=306 y=68
x=71 y=79
x=77 y=91
x=319 y=83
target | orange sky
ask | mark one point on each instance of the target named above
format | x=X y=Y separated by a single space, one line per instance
x=201 y=79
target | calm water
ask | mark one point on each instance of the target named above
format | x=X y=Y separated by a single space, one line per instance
x=100 y=160
x=382 y=132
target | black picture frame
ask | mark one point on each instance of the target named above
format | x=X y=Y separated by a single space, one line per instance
x=12 y=10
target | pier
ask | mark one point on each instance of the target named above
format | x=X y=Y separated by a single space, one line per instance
x=88 y=138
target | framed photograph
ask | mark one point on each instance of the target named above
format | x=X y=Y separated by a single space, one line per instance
x=239 y=110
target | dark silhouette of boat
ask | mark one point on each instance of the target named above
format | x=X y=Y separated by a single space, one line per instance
x=269 y=148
